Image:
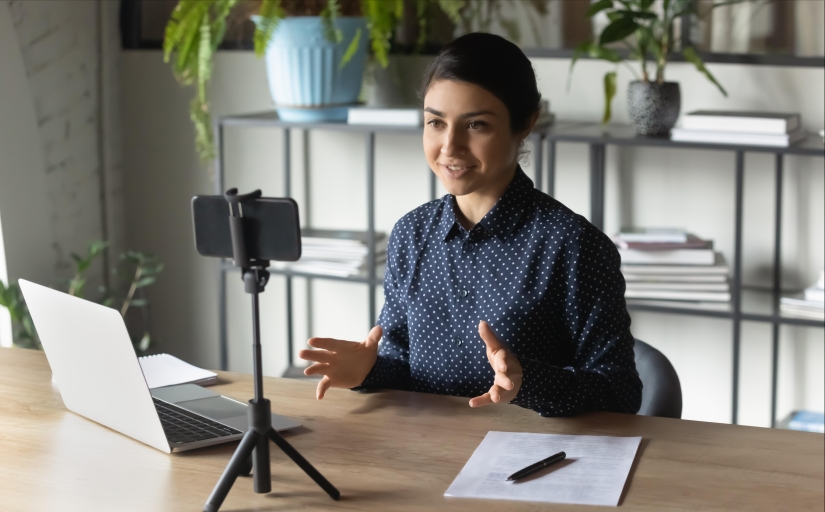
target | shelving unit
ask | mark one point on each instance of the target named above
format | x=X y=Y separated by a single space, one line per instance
x=747 y=305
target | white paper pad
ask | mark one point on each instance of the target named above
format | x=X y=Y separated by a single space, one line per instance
x=166 y=370
x=594 y=472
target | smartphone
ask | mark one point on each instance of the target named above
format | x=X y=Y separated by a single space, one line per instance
x=271 y=227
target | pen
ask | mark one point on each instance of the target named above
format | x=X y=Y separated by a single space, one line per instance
x=532 y=468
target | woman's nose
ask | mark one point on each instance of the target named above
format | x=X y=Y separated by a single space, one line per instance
x=453 y=144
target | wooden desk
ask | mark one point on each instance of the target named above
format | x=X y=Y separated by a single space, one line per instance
x=387 y=451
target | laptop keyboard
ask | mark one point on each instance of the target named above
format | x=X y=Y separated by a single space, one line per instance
x=182 y=426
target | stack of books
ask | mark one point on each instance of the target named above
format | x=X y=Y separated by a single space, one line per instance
x=335 y=253
x=752 y=128
x=672 y=265
x=808 y=304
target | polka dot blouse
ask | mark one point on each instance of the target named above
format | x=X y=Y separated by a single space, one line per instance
x=545 y=279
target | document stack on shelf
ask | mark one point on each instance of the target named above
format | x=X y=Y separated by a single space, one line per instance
x=672 y=265
x=808 y=304
x=752 y=128
x=335 y=253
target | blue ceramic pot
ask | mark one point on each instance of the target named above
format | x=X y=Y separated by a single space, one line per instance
x=303 y=68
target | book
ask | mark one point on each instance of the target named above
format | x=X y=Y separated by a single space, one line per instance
x=676 y=286
x=678 y=295
x=654 y=235
x=814 y=294
x=807 y=421
x=801 y=312
x=800 y=301
x=673 y=278
x=674 y=257
x=741 y=122
x=386 y=116
x=753 y=139
x=698 y=305
x=692 y=242
x=166 y=370
x=720 y=267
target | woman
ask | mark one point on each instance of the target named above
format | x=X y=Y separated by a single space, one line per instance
x=496 y=291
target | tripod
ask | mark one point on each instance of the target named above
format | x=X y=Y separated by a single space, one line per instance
x=254 y=446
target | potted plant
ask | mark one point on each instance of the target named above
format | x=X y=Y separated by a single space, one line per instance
x=645 y=27
x=315 y=50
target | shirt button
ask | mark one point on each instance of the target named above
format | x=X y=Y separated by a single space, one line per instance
x=462 y=292
x=469 y=247
x=458 y=342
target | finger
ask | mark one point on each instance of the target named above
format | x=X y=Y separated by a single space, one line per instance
x=499 y=361
x=319 y=356
x=481 y=401
x=489 y=337
x=374 y=336
x=504 y=381
x=495 y=393
x=322 y=388
x=317 y=369
x=327 y=343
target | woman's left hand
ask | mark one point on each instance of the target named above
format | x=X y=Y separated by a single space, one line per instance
x=505 y=364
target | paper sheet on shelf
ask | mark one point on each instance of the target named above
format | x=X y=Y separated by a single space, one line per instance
x=594 y=472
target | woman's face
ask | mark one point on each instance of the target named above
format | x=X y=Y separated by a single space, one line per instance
x=467 y=138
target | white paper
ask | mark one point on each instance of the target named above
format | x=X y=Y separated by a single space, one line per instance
x=593 y=473
x=166 y=370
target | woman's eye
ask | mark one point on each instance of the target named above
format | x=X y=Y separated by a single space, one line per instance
x=433 y=122
x=478 y=124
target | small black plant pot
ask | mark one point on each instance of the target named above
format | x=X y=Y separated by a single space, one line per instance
x=653 y=107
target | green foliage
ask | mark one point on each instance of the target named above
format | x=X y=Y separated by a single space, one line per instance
x=136 y=272
x=82 y=264
x=197 y=27
x=645 y=27
x=22 y=326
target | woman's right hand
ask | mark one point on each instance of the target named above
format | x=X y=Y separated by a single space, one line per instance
x=344 y=364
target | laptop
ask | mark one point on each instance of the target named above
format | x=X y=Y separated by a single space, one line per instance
x=97 y=372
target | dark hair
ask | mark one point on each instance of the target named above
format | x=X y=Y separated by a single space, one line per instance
x=493 y=63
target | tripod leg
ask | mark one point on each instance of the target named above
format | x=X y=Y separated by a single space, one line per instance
x=236 y=463
x=261 y=471
x=304 y=464
x=246 y=469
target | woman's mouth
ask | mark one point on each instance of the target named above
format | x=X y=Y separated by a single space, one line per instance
x=456 y=171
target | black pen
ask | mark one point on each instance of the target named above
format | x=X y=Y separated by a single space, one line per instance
x=532 y=468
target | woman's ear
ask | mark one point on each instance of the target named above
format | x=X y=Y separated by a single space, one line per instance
x=531 y=123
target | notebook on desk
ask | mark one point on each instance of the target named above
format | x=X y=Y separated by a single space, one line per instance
x=166 y=370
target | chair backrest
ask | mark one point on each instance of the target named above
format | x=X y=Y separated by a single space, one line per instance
x=661 y=393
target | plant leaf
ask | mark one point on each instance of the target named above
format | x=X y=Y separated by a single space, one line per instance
x=452 y=8
x=145 y=341
x=638 y=14
x=609 y=93
x=692 y=57
x=269 y=16
x=617 y=30
x=598 y=7
x=351 y=49
x=328 y=16
x=145 y=281
x=581 y=49
x=138 y=303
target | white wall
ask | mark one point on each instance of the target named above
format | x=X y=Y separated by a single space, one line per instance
x=646 y=186
x=24 y=206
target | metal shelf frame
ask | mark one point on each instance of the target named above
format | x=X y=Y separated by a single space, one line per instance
x=599 y=136
x=544 y=139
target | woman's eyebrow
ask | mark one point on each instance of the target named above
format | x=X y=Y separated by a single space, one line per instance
x=465 y=115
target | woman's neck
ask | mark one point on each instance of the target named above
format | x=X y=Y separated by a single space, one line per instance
x=474 y=206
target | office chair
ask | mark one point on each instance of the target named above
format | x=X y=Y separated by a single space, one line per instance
x=661 y=393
